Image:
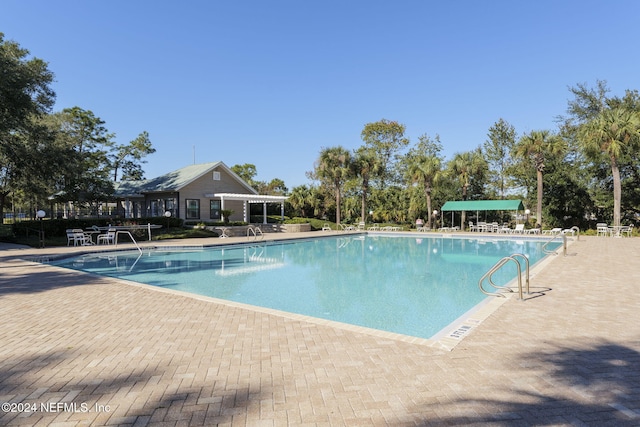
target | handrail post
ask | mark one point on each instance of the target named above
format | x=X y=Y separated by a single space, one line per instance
x=526 y=263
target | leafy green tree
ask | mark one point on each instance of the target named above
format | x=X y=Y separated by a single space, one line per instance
x=386 y=138
x=470 y=168
x=276 y=187
x=566 y=199
x=497 y=150
x=25 y=95
x=333 y=169
x=301 y=201
x=86 y=177
x=424 y=167
x=247 y=172
x=128 y=158
x=366 y=165
x=614 y=132
x=535 y=147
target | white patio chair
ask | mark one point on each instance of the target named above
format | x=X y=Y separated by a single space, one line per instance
x=109 y=238
x=626 y=230
x=80 y=237
x=602 y=229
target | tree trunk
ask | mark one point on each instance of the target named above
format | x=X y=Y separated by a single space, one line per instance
x=617 y=192
x=337 y=205
x=539 y=207
x=363 y=211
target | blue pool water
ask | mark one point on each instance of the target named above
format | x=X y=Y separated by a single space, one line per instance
x=407 y=285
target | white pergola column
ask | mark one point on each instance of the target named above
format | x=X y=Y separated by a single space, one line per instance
x=264 y=212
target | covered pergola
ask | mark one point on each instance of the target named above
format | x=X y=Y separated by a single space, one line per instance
x=482 y=205
x=253 y=198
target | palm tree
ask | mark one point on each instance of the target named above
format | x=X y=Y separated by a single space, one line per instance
x=465 y=166
x=535 y=146
x=424 y=166
x=333 y=168
x=300 y=199
x=366 y=165
x=613 y=133
x=425 y=170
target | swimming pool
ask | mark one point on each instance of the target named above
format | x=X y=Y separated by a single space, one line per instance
x=408 y=285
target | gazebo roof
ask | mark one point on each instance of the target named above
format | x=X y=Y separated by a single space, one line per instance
x=483 y=205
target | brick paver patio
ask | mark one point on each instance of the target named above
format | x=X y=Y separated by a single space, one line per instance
x=76 y=349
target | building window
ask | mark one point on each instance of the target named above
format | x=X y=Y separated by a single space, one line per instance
x=170 y=205
x=154 y=208
x=215 y=209
x=193 y=209
x=216 y=176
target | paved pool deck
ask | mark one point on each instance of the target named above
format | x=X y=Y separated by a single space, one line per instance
x=80 y=350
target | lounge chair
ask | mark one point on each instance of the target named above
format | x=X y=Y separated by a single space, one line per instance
x=361 y=226
x=553 y=231
x=347 y=227
x=519 y=229
x=374 y=227
x=326 y=227
x=504 y=229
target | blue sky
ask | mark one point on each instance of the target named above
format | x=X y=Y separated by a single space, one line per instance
x=273 y=82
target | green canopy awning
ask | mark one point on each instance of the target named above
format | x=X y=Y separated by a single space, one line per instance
x=483 y=205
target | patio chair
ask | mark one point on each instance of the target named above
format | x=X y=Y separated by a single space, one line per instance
x=472 y=226
x=519 y=229
x=71 y=237
x=109 y=238
x=326 y=227
x=602 y=229
x=626 y=230
x=79 y=237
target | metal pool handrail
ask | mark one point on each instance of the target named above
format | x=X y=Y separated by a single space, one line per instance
x=132 y=239
x=256 y=231
x=497 y=267
x=564 y=245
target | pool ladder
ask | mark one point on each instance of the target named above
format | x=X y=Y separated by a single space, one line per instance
x=488 y=275
x=256 y=231
x=564 y=244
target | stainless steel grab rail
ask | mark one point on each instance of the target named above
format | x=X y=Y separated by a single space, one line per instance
x=488 y=275
x=255 y=231
x=564 y=244
x=129 y=234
